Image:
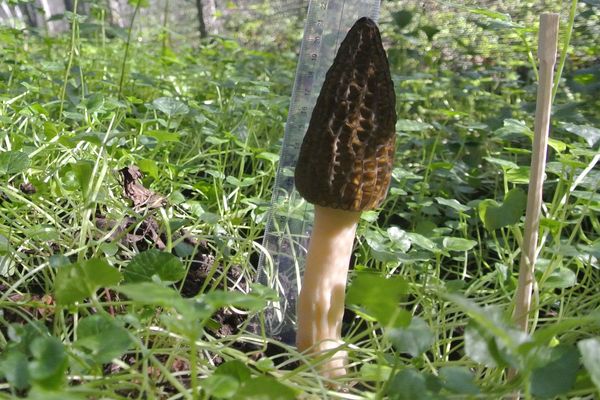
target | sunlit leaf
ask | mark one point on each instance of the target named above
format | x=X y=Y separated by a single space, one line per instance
x=458 y=380
x=458 y=244
x=509 y=213
x=379 y=296
x=149 y=263
x=452 y=203
x=263 y=388
x=14 y=368
x=406 y=125
x=410 y=384
x=149 y=167
x=589 y=133
x=590 y=355
x=220 y=386
x=558 y=374
x=102 y=338
x=49 y=362
x=413 y=339
x=402 y=18
x=13 y=162
x=171 y=107
x=77 y=281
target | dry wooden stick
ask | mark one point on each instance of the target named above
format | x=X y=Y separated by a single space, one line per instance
x=548 y=36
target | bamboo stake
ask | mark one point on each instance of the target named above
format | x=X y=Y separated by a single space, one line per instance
x=548 y=37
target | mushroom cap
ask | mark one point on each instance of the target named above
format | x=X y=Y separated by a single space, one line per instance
x=346 y=156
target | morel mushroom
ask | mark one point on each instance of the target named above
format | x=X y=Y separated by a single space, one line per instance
x=344 y=167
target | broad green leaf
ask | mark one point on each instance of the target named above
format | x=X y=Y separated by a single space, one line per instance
x=589 y=133
x=74 y=116
x=518 y=175
x=148 y=167
x=265 y=364
x=558 y=374
x=375 y=372
x=512 y=126
x=379 y=297
x=421 y=241
x=151 y=293
x=560 y=278
x=109 y=248
x=410 y=384
x=83 y=171
x=480 y=348
x=402 y=18
x=406 y=125
x=458 y=380
x=265 y=388
x=43 y=232
x=74 y=17
x=265 y=292
x=235 y=369
x=505 y=164
x=429 y=30
x=509 y=213
x=458 y=244
x=147 y=264
x=245 y=182
x=14 y=368
x=13 y=162
x=140 y=3
x=77 y=281
x=171 y=107
x=41 y=393
x=95 y=138
x=49 y=365
x=452 y=203
x=491 y=322
x=102 y=338
x=557 y=145
x=381 y=247
x=220 y=298
x=220 y=386
x=491 y=14
x=22 y=336
x=163 y=136
x=271 y=157
x=399 y=238
x=590 y=355
x=413 y=339
x=59 y=261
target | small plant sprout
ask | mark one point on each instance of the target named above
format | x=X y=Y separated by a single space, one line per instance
x=344 y=167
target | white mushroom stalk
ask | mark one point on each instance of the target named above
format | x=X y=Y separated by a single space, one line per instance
x=344 y=167
x=321 y=301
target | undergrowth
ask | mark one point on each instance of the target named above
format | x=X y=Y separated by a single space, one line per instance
x=104 y=298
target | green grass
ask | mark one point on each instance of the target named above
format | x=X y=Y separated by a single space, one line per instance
x=88 y=311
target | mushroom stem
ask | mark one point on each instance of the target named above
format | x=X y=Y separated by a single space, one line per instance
x=321 y=300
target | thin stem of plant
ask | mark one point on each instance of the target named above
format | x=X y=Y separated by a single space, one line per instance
x=565 y=48
x=548 y=35
x=547 y=46
x=127 y=44
x=72 y=50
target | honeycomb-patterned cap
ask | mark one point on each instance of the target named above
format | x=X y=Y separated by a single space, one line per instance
x=347 y=153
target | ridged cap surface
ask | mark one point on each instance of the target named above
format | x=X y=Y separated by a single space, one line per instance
x=347 y=153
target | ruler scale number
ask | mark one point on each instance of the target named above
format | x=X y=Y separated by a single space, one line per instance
x=290 y=217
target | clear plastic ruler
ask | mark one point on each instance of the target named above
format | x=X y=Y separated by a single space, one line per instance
x=290 y=217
